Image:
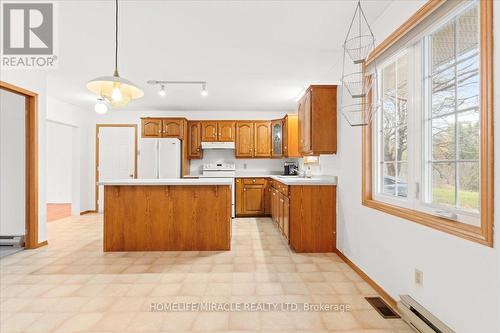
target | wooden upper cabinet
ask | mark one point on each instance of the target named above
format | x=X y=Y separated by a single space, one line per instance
x=173 y=127
x=151 y=128
x=291 y=136
x=194 y=144
x=209 y=131
x=262 y=139
x=244 y=139
x=318 y=120
x=277 y=138
x=226 y=131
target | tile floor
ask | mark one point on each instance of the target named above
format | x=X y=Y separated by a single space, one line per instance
x=72 y=286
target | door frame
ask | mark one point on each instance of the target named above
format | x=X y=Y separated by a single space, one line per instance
x=97 y=128
x=31 y=167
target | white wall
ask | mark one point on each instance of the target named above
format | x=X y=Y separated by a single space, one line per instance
x=12 y=164
x=35 y=80
x=461 y=278
x=82 y=124
x=59 y=162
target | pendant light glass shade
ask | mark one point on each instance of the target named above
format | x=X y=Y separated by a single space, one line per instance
x=116 y=90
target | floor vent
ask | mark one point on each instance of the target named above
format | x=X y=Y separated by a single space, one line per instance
x=420 y=318
x=382 y=308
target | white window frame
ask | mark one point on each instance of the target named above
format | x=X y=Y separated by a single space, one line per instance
x=419 y=185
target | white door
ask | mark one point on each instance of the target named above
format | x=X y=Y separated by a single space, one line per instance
x=116 y=156
x=169 y=158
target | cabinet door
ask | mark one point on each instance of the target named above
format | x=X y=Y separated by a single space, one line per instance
x=194 y=139
x=286 y=217
x=253 y=199
x=173 y=128
x=305 y=124
x=209 y=131
x=226 y=131
x=277 y=138
x=244 y=139
x=151 y=128
x=274 y=205
x=280 y=211
x=267 y=198
x=239 y=197
x=262 y=139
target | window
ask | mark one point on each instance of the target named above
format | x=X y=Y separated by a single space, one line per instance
x=428 y=152
x=452 y=115
x=393 y=129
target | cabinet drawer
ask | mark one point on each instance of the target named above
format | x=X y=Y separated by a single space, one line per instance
x=256 y=181
x=282 y=188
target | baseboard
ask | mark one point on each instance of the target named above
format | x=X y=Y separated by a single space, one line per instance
x=391 y=301
x=44 y=243
x=87 y=212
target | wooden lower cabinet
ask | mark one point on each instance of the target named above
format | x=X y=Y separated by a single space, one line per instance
x=305 y=216
x=251 y=196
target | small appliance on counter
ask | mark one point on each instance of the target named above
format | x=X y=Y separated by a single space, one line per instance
x=291 y=169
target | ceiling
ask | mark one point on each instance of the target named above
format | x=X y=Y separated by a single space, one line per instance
x=254 y=55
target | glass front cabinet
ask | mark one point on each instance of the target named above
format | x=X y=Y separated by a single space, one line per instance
x=277 y=135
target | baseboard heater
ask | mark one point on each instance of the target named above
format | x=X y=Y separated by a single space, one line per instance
x=419 y=318
x=14 y=241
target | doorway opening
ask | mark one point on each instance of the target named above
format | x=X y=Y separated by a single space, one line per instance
x=18 y=169
x=62 y=178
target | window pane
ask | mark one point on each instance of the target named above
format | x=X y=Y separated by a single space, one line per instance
x=402 y=143
x=443 y=92
x=443 y=46
x=402 y=88
x=389 y=178
x=402 y=180
x=468 y=135
x=468 y=83
x=443 y=138
x=443 y=184
x=389 y=96
x=389 y=137
x=468 y=194
x=468 y=31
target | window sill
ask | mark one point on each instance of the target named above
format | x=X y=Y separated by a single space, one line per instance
x=462 y=230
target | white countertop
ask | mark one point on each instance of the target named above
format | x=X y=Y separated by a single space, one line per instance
x=180 y=181
x=315 y=180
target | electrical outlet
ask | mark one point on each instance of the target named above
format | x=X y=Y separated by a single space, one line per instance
x=419 y=277
x=244 y=165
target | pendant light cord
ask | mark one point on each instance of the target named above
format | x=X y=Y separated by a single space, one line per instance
x=116 y=38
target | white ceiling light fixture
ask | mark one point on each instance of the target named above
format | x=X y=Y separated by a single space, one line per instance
x=115 y=89
x=204 y=91
x=100 y=107
x=162 y=92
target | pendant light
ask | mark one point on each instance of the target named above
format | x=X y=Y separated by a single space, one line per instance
x=115 y=89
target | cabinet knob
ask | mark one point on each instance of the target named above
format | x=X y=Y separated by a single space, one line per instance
x=244 y=190
x=253 y=180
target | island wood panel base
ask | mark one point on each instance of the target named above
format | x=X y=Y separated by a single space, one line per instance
x=167 y=218
x=313 y=218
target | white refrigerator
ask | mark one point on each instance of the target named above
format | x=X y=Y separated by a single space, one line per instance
x=160 y=158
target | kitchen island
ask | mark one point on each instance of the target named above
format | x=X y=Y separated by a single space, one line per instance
x=167 y=214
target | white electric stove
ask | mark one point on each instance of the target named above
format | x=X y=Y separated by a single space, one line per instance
x=222 y=170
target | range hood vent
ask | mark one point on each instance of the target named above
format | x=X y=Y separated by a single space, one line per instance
x=217 y=145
